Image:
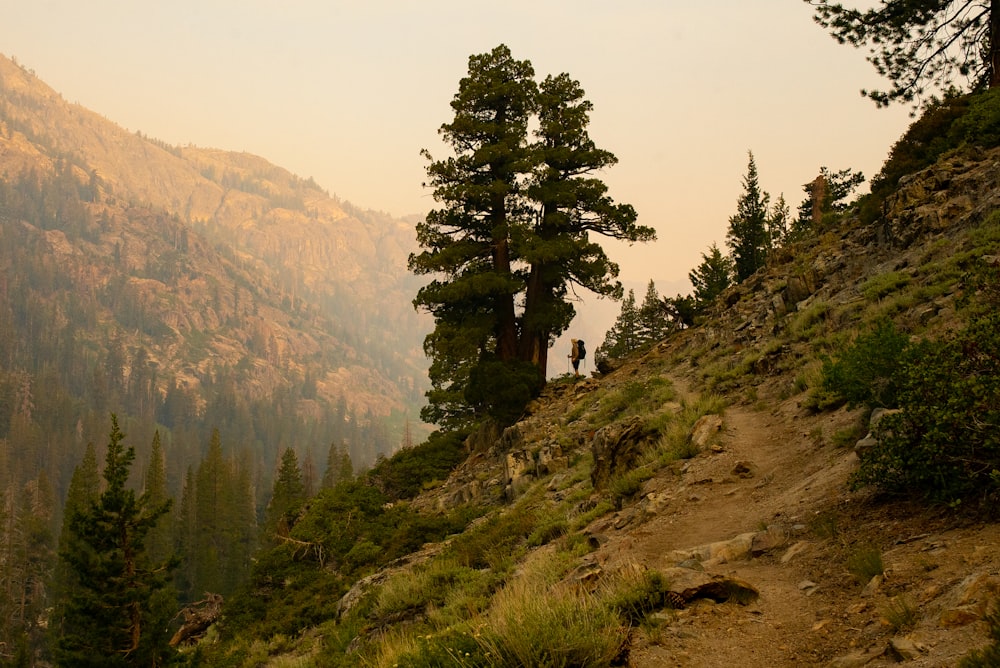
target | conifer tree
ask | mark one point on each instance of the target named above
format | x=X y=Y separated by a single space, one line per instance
x=224 y=526
x=711 y=277
x=161 y=540
x=623 y=337
x=747 y=236
x=287 y=495
x=113 y=616
x=83 y=492
x=512 y=237
x=339 y=467
x=652 y=318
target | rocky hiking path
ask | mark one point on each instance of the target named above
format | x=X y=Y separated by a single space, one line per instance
x=767 y=503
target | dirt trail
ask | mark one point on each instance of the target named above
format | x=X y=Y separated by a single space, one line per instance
x=791 y=478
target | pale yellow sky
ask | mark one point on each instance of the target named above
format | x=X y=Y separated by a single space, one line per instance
x=348 y=92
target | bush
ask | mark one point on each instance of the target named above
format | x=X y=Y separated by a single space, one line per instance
x=866 y=372
x=944 y=445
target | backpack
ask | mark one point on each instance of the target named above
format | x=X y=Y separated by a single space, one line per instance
x=581 y=350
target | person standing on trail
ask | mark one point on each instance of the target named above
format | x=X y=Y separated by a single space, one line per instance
x=577 y=352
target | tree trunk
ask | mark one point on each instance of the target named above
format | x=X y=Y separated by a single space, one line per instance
x=534 y=344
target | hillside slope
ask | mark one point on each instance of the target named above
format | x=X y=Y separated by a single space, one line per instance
x=700 y=490
x=195 y=286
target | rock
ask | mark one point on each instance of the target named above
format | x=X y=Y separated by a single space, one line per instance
x=960 y=616
x=903 y=649
x=704 y=430
x=743 y=469
x=795 y=550
x=720 y=552
x=691 y=585
x=873 y=586
x=855 y=660
x=616 y=448
x=767 y=541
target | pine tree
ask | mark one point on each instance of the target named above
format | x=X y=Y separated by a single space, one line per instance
x=287 y=495
x=224 y=525
x=711 y=277
x=115 y=616
x=623 y=337
x=339 y=467
x=747 y=236
x=511 y=238
x=84 y=491
x=652 y=319
x=160 y=542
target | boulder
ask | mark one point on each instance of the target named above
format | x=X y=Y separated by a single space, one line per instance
x=616 y=448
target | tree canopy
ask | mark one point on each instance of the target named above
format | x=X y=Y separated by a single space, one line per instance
x=921 y=43
x=511 y=240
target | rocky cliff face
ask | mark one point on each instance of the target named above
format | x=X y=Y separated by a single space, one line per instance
x=229 y=246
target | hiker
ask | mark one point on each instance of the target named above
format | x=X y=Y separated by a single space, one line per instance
x=577 y=352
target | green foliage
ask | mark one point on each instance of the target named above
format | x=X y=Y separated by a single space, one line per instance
x=943 y=445
x=900 y=613
x=711 y=277
x=495 y=541
x=747 y=236
x=513 y=233
x=988 y=656
x=501 y=390
x=403 y=475
x=531 y=624
x=636 y=594
x=117 y=609
x=917 y=44
x=867 y=371
x=634 y=398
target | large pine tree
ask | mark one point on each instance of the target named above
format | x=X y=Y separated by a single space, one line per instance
x=511 y=237
x=113 y=614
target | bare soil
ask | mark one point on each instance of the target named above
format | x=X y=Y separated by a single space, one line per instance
x=779 y=468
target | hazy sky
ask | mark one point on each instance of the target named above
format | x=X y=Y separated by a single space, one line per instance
x=348 y=92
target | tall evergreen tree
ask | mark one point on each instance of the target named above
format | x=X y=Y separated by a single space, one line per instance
x=287 y=495
x=339 y=467
x=747 y=236
x=224 y=525
x=161 y=537
x=114 y=615
x=623 y=337
x=511 y=237
x=468 y=239
x=569 y=203
x=652 y=318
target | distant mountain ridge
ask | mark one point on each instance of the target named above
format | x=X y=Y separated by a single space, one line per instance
x=214 y=263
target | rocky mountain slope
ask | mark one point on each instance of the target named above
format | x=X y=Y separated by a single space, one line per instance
x=706 y=486
x=219 y=260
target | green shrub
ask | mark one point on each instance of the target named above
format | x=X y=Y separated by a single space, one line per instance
x=944 y=445
x=867 y=371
